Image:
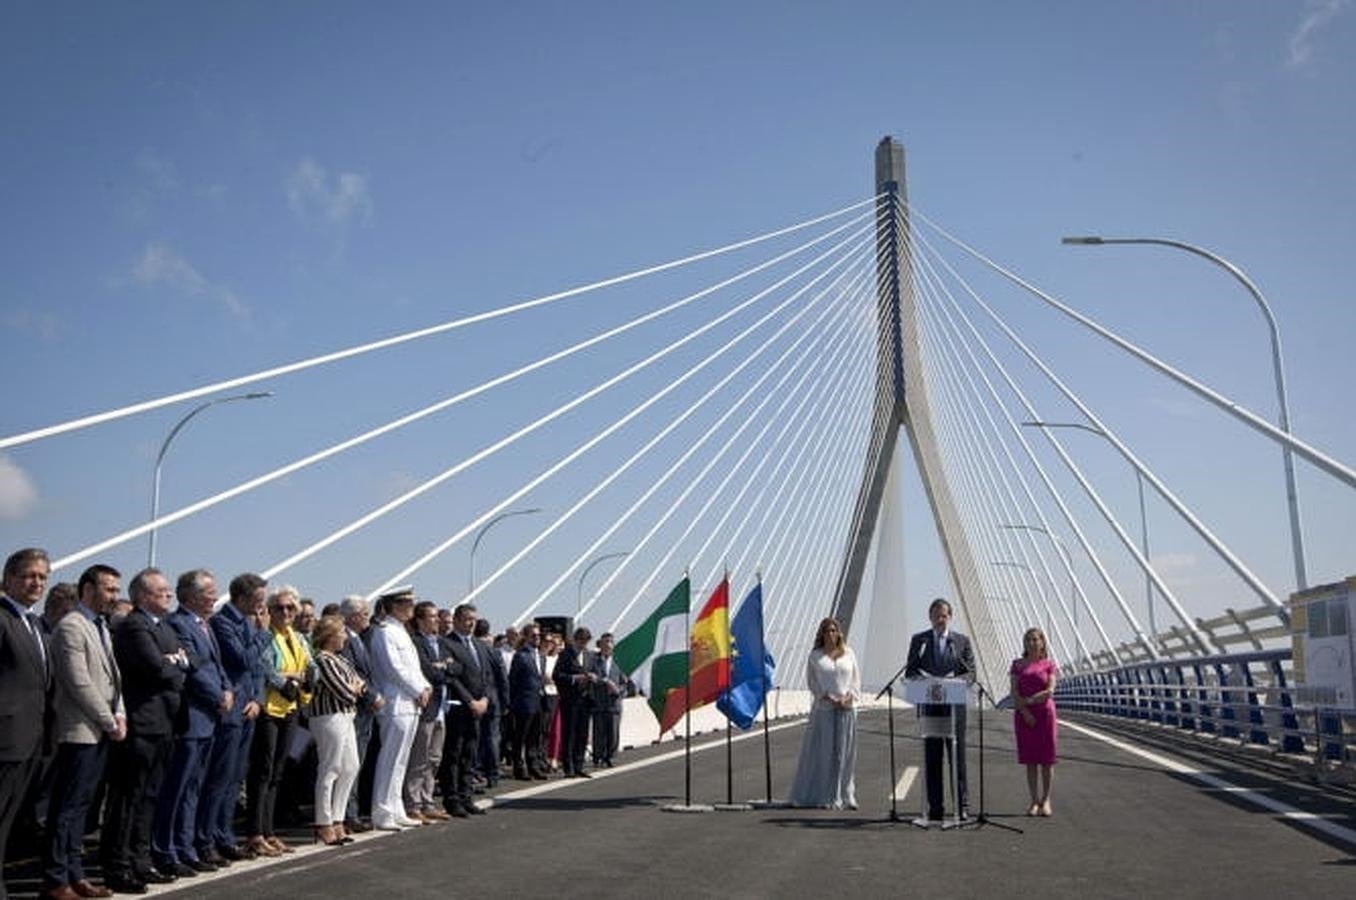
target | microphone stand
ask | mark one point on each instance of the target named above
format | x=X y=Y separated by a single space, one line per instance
x=889 y=693
x=983 y=818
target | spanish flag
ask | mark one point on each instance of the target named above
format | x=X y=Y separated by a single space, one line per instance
x=708 y=658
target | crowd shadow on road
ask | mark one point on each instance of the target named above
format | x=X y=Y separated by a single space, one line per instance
x=575 y=804
x=829 y=823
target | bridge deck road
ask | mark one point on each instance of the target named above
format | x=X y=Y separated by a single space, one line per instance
x=1123 y=827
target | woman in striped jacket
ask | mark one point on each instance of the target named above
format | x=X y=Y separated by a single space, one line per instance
x=338 y=688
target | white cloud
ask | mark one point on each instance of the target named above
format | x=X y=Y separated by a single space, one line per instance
x=314 y=196
x=161 y=265
x=18 y=494
x=1317 y=16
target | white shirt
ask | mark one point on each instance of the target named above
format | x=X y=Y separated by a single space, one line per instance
x=395 y=668
x=825 y=675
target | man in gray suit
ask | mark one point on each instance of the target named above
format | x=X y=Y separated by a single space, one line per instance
x=608 y=692
x=941 y=652
x=24 y=683
x=89 y=714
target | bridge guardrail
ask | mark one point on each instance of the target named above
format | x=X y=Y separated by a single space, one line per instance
x=1246 y=697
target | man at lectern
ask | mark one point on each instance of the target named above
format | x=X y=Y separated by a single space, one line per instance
x=941 y=652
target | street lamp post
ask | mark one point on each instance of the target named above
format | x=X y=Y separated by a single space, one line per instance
x=579 y=592
x=1014 y=564
x=1283 y=406
x=164 y=448
x=475 y=544
x=1068 y=561
x=1143 y=517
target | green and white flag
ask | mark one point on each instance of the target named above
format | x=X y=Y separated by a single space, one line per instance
x=654 y=656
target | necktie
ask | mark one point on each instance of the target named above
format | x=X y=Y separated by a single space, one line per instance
x=470 y=646
x=108 y=655
x=35 y=629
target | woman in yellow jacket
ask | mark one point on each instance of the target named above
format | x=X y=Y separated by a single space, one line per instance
x=289 y=674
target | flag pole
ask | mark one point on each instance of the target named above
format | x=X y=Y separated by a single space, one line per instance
x=729 y=731
x=762 y=677
x=687 y=698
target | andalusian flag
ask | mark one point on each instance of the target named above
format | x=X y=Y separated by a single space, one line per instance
x=654 y=656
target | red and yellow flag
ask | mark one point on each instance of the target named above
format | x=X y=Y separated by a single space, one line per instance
x=708 y=660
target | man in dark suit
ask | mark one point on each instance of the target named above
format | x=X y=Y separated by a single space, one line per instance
x=25 y=680
x=357 y=623
x=468 y=705
x=237 y=638
x=207 y=695
x=154 y=665
x=89 y=714
x=525 y=690
x=574 y=679
x=941 y=652
x=608 y=691
x=426 y=753
x=496 y=691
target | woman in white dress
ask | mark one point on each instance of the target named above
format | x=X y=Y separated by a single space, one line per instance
x=828 y=755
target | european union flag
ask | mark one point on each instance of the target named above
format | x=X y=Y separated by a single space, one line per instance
x=753 y=669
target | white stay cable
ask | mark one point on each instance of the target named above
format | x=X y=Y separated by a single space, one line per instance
x=672 y=469
x=785 y=585
x=955 y=369
x=846 y=392
x=1000 y=582
x=636 y=411
x=342 y=446
x=1229 y=557
x=808 y=582
x=1087 y=487
x=840 y=312
x=824 y=463
x=1343 y=473
x=795 y=419
x=144 y=406
x=1032 y=459
x=1131 y=546
x=1004 y=546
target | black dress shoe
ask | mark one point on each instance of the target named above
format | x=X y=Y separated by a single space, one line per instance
x=229 y=854
x=156 y=876
x=474 y=810
x=210 y=855
x=125 y=884
x=455 y=810
x=199 y=865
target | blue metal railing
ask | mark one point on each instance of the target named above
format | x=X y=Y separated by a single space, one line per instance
x=1249 y=697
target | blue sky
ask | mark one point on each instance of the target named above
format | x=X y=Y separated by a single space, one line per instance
x=193 y=192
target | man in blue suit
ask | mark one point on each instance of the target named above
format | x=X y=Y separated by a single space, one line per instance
x=207 y=694
x=525 y=689
x=237 y=636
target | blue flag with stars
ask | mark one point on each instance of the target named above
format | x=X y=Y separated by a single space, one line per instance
x=752 y=669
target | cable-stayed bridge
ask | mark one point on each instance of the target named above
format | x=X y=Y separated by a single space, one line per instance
x=786 y=407
x=737 y=408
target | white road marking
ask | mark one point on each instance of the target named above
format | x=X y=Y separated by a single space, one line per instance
x=1284 y=810
x=905 y=782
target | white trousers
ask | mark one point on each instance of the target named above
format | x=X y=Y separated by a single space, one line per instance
x=397 y=736
x=336 y=745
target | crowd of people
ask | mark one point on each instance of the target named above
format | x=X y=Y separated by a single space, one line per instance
x=151 y=717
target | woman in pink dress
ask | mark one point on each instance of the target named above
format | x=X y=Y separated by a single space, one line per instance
x=1033 y=679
